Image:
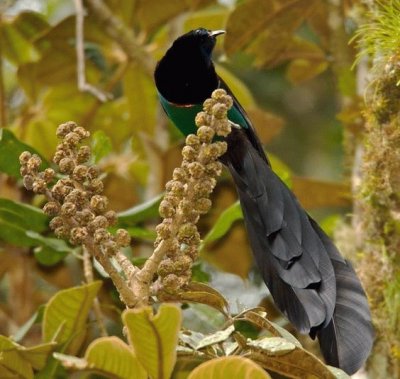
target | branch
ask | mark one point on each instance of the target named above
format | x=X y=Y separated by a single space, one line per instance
x=80 y=56
x=88 y=273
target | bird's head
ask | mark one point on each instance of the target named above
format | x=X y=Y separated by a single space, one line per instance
x=201 y=39
x=186 y=74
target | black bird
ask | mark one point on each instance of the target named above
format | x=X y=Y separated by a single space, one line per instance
x=311 y=283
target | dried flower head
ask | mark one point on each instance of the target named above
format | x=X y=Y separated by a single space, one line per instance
x=187 y=195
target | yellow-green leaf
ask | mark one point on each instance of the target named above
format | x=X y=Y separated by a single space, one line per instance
x=211 y=18
x=11 y=360
x=154 y=337
x=229 y=367
x=224 y=223
x=37 y=355
x=240 y=90
x=64 y=319
x=140 y=92
x=30 y=24
x=15 y=46
x=113 y=356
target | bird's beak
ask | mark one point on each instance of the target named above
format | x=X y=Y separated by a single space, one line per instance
x=215 y=33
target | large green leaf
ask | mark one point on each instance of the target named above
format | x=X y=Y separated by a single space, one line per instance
x=23 y=215
x=109 y=356
x=64 y=319
x=10 y=150
x=154 y=337
x=229 y=367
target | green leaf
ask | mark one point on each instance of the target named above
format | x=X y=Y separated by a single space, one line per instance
x=154 y=337
x=229 y=367
x=101 y=145
x=224 y=223
x=18 y=220
x=23 y=215
x=12 y=361
x=14 y=234
x=20 y=360
x=112 y=355
x=51 y=250
x=141 y=212
x=15 y=46
x=108 y=356
x=65 y=316
x=10 y=150
x=37 y=355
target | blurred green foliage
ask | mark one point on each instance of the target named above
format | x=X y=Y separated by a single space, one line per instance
x=277 y=58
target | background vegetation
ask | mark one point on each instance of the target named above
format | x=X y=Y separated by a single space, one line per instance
x=319 y=114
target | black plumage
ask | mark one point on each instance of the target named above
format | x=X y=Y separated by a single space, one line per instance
x=311 y=283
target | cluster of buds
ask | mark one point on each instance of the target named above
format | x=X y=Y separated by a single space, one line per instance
x=187 y=194
x=78 y=210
